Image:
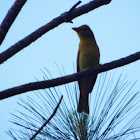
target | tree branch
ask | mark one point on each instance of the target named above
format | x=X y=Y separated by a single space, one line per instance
x=10 y=17
x=65 y=17
x=47 y=120
x=70 y=78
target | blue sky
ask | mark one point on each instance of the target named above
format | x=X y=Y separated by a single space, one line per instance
x=116 y=28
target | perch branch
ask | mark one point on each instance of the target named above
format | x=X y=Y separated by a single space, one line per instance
x=70 y=78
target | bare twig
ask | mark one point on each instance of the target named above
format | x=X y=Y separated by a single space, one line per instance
x=69 y=12
x=70 y=78
x=54 y=23
x=10 y=17
x=73 y=7
x=47 y=120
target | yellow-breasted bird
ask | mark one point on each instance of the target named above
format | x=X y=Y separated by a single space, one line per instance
x=88 y=56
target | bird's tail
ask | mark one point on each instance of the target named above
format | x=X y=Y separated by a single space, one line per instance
x=83 y=104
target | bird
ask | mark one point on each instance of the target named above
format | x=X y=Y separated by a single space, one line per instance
x=88 y=57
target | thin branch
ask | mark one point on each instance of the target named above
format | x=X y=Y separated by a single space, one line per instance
x=65 y=17
x=75 y=6
x=69 y=12
x=10 y=17
x=70 y=78
x=47 y=120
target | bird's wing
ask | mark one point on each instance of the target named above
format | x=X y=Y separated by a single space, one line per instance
x=93 y=80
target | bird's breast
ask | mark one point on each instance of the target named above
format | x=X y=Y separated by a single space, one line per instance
x=88 y=57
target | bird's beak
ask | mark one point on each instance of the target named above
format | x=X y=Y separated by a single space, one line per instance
x=75 y=29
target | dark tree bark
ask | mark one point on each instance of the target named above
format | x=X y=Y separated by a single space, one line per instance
x=70 y=78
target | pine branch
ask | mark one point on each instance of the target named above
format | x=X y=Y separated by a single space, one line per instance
x=10 y=17
x=65 y=17
x=70 y=78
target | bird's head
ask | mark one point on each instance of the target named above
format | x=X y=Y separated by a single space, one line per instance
x=84 y=32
